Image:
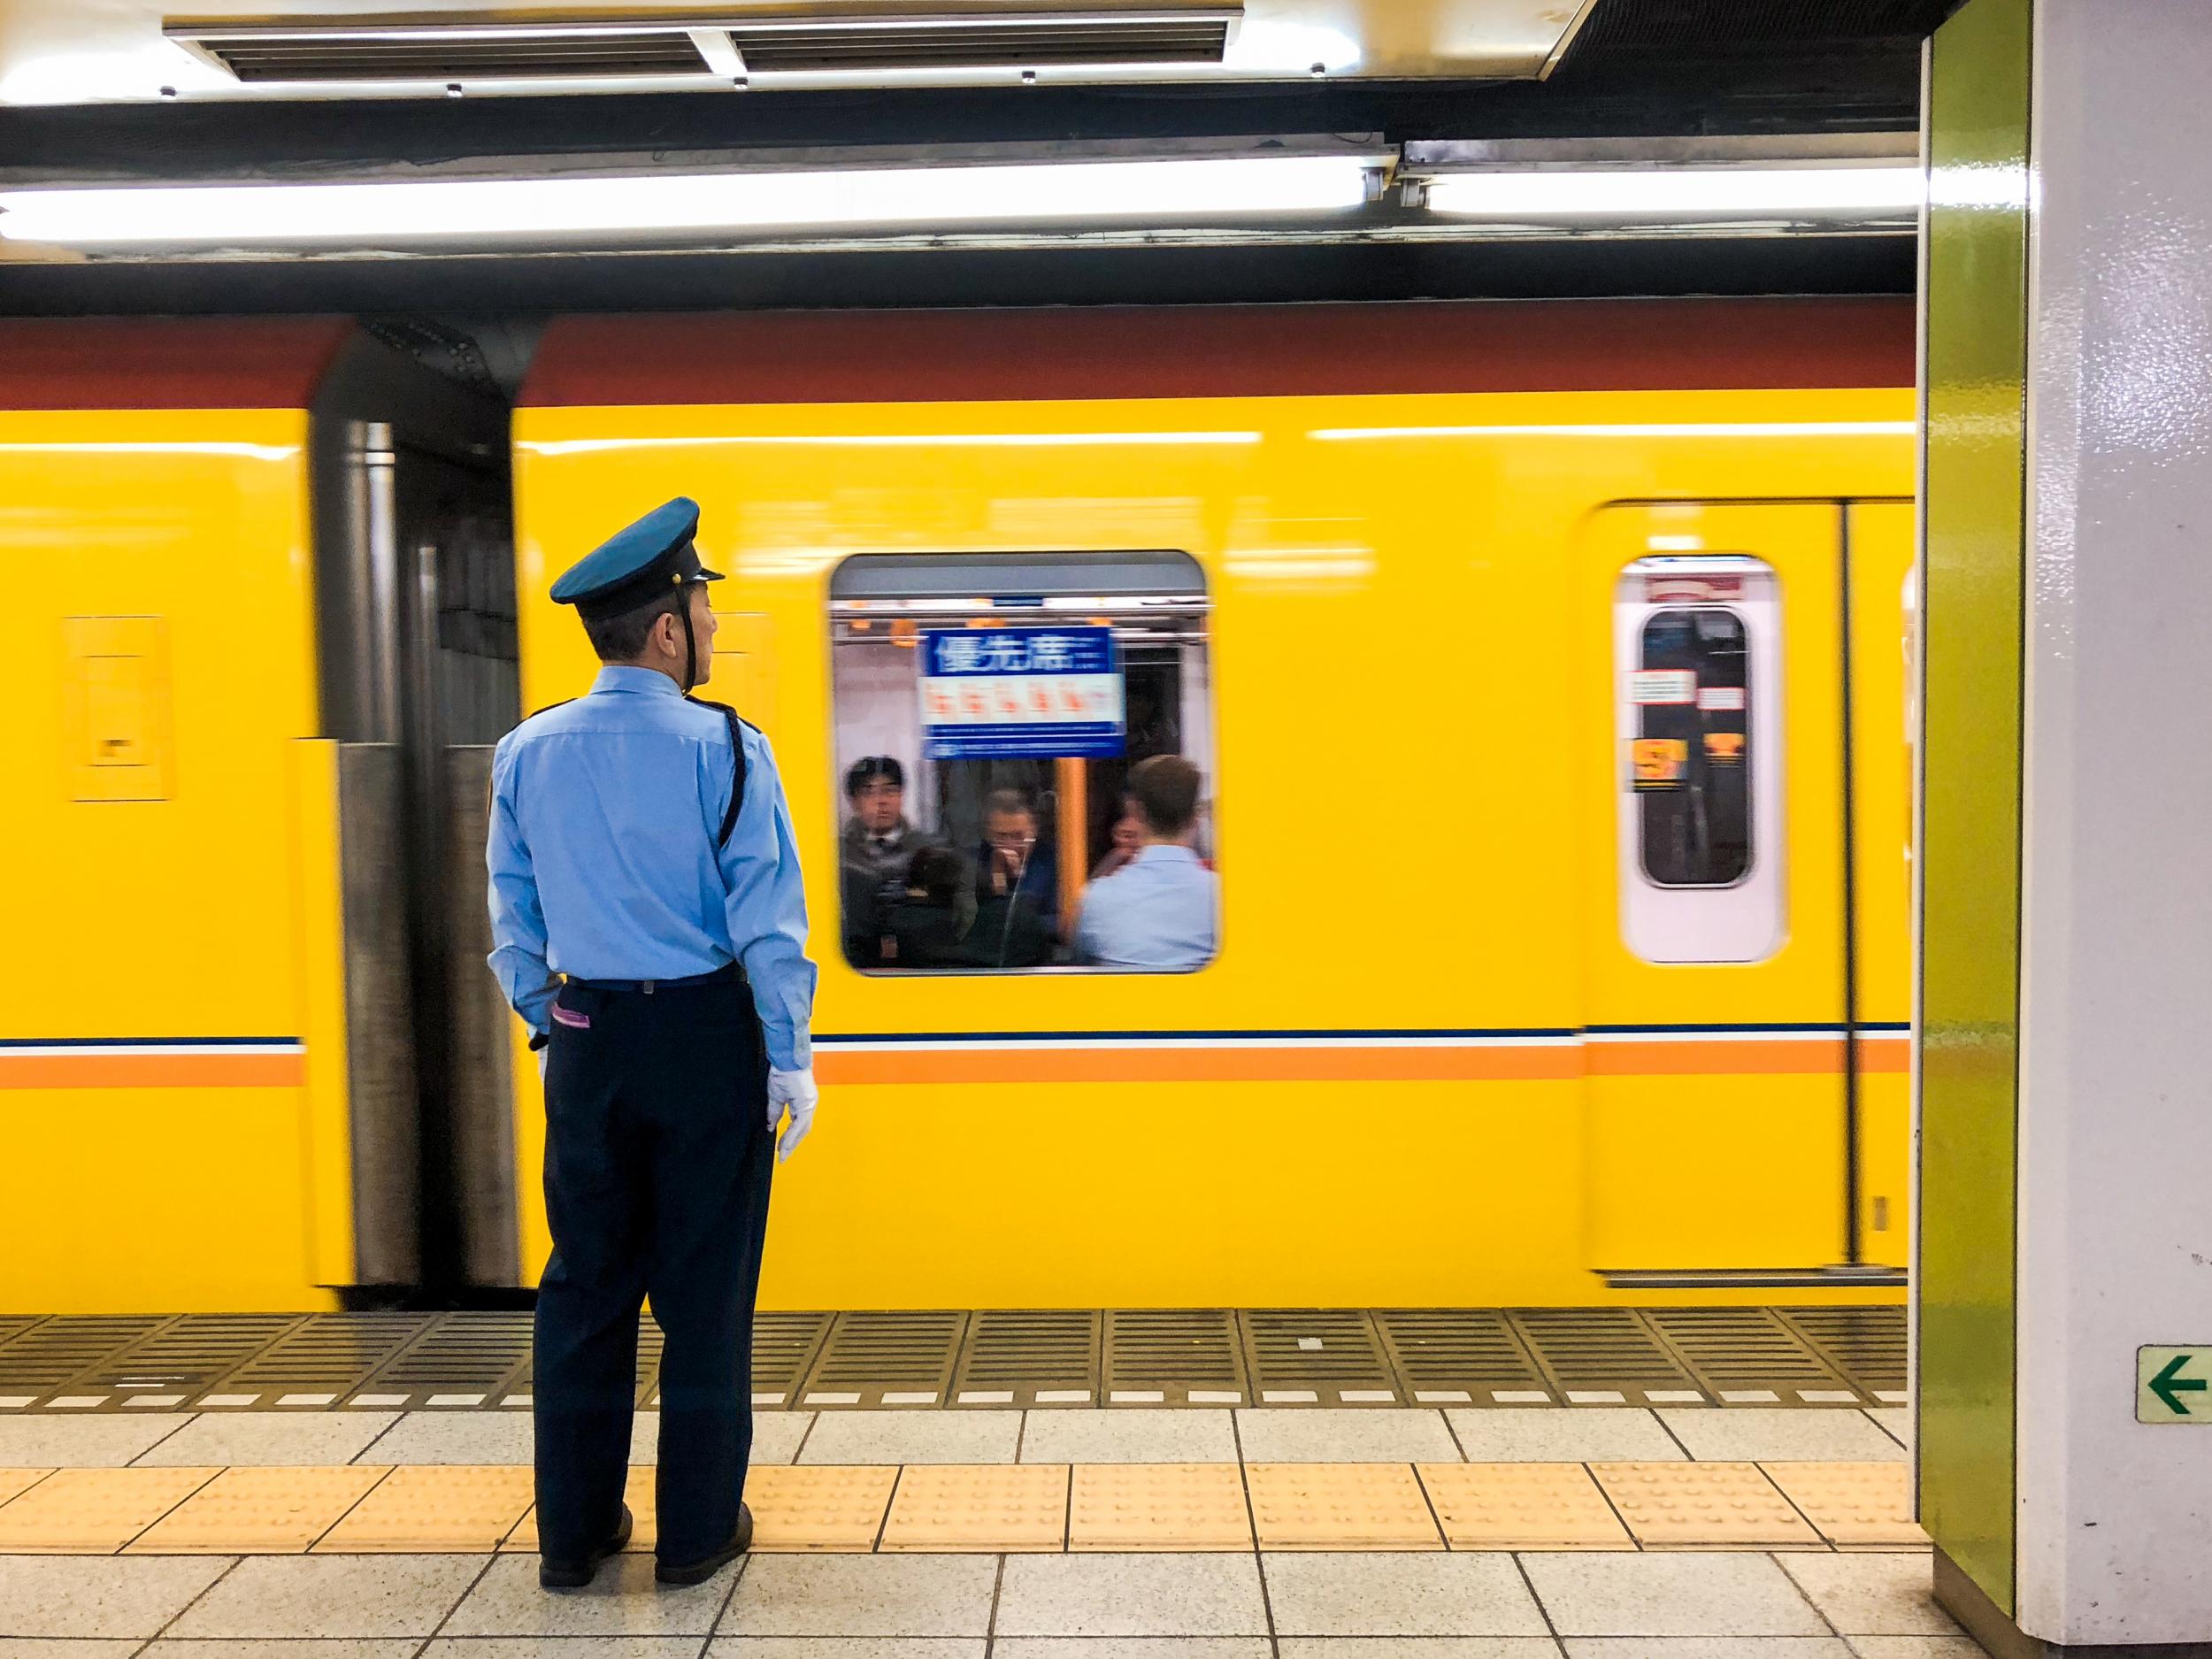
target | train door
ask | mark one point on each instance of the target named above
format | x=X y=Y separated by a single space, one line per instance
x=1878 y=554
x=417 y=646
x=1720 y=1089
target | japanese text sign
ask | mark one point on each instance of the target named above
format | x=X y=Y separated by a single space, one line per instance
x=1004 y=693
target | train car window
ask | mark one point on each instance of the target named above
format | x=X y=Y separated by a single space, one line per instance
x=1693 y=763
x=990 y=711
x=1697 y=654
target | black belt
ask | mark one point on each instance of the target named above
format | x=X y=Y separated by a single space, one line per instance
x=727 y=972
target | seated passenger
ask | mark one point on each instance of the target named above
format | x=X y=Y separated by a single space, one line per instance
x=922 y=924
x=929 y=924
x=1158 y=910
x=1011 y=863
x=1128 y=835
x=1008 y=933
x=874 y=852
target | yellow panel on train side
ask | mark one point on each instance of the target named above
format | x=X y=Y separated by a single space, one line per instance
x=1884 y=545
x=159 y=620
x=1400 y=819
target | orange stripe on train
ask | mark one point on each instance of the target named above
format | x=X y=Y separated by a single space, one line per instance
x=152 y=1071
x=1425 y=1063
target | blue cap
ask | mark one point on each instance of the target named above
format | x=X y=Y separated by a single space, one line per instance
x=651 y=557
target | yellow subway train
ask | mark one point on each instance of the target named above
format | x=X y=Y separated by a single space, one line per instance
x=1545 y=667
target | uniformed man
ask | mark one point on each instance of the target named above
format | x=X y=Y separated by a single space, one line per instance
x=650 y=926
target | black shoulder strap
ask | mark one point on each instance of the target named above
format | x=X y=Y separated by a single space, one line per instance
x=737 y=777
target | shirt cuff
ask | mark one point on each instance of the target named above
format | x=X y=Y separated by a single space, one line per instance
x=789 y=1049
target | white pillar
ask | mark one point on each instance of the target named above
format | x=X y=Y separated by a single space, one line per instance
x=2065 y=1084
x=2114 y=1539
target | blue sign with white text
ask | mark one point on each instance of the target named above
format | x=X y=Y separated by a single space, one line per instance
x=1020 y=693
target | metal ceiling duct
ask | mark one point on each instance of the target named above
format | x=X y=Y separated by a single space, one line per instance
x=324 y=53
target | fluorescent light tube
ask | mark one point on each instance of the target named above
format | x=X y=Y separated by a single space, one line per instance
x=480 y=210
x=1655 y=193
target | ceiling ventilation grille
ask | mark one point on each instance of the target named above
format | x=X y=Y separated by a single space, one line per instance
x=310 y=52
x=626 y=50
x=1030 y=41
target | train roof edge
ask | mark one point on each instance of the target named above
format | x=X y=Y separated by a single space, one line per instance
x=1306 y=349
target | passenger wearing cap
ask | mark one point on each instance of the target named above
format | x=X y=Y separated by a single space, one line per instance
x=650 y=926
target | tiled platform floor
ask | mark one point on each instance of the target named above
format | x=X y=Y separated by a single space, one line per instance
x=1244 y=1605
x=1613 y=1533
x=1182 y=1535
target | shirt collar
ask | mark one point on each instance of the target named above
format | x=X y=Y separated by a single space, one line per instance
x=1165 y=852
x=648 y=681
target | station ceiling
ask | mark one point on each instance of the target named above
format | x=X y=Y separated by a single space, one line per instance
x=144 y=51
x=95 y=92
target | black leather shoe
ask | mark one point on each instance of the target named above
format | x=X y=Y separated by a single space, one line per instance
x=700 y=1571
x=574 y=1575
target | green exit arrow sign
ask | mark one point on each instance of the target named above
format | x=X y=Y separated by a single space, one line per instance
x=2173 y=1385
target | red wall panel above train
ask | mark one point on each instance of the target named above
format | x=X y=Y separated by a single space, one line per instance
x=165 y=361
x=1222 y=351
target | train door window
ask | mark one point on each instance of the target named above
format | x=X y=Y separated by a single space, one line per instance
x=1697 y=668
x=988 y=711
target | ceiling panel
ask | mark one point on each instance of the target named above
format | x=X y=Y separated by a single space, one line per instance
x=100 y=50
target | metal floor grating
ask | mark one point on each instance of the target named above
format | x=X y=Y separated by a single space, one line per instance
x=1018 y=1358
x=327 y=1354
x=1302 y=1356
x=187 y=1354
x=1867 y=1344
x=1602 y=1356
x=1456 y=1356
x=1173 y=1357
x=1013 y=1357
x=886 y=1359
x=1741 y=1355
x=484 y=1355
x=47 y=1356
x=784 y=1346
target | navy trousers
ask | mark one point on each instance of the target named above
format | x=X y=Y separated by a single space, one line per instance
x=657 y=1159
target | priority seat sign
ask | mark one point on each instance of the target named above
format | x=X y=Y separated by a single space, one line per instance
x=994 y=694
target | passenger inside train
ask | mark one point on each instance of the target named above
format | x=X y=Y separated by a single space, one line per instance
x=876 y=849
x=1159 y=909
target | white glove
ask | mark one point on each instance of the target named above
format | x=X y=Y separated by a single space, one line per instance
x=544 y=1054
x=796 y=1090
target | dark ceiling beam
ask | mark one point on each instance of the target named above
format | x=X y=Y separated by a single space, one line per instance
x=1872 y=91
x=1588 y=268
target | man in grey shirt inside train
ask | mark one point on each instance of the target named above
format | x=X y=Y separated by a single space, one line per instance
x=1158 y=910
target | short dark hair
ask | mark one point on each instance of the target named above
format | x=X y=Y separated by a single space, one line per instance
x=939 y=873
x=868 y=768
x=1165 y=788
x=621 y=638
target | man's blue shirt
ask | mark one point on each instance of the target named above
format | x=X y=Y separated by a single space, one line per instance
x=604 y=862
x=1155 y=911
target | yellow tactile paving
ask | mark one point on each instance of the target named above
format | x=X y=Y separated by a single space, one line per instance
x=430 y=1509
x=1339 y=1506
x=15 y=1480
x=1522 y=1506
x=1866 y=1505
x=637 y=1493
x=260 y=1511
x=93 y=1511
x=995 y=1507
x=1158 y=1507
x=1703 y=1506
x=818 y=1507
